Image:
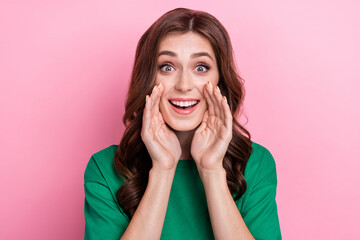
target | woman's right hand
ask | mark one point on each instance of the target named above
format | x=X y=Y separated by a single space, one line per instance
x=162 y=143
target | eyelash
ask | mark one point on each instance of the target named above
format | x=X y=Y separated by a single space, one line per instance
x=199 y=65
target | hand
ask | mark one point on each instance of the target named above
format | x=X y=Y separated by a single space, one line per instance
x=162 y=143
x=212 y=138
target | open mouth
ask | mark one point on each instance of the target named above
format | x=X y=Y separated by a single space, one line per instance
x=184 y=104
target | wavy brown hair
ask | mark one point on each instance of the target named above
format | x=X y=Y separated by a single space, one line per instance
x=132 y=161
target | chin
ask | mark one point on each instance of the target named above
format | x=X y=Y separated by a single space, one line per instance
x=183 y=126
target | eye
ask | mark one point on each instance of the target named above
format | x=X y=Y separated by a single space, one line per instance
x=166 y=68
x=202 y=68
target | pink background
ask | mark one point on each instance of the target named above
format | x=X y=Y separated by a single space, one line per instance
x=65 y=68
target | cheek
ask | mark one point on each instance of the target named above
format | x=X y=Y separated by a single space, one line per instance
x=166 y=83
x=214 y=79
x=159 y=79
x=164 y=78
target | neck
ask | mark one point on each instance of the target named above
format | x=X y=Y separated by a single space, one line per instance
x=185 y=139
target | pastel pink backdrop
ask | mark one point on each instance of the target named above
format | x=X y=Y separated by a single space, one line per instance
x=65 y=68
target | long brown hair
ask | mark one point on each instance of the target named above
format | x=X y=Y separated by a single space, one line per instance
x=132 y=161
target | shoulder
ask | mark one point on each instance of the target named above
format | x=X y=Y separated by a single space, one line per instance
x=100 y=168
x=259 y=152
x=258 y=205
x=260 y=171
x=261 y=164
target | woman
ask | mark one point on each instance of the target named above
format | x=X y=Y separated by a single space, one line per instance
x=185 y=168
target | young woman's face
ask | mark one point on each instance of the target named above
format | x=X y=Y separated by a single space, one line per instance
x=186 y=62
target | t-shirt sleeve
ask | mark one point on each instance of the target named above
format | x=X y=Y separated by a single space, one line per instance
x=103 y=218
x=260 y=209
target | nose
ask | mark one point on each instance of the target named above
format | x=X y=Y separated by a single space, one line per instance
x=184 y=82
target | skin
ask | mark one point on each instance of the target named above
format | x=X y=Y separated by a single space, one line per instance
x=184 y=76
x=203 y=135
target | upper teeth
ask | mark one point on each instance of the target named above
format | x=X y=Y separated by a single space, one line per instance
x=184 y=104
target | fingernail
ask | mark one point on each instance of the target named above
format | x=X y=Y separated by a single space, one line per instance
x=225 y=99
x=210 y=84
x=146 y=99
x=159 y=84
x=218 y=89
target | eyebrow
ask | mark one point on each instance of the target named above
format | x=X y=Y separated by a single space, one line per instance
x=194 y=55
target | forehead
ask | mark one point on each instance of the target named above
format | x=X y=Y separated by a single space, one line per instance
x=189 y=42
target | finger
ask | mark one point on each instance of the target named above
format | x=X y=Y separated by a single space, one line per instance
x=161 y=119
x=227 y=111
x=153 y=98
x=146 y=113
x=154 y=112
x=208 y=99
x=204 y=122
x=158 y=92
x=205 y=117
x=157 y=106
x=219 y=97
x=215 y=102
x=156 y=98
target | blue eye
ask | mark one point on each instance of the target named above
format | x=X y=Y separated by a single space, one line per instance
x=166 y=68
x=202 y=68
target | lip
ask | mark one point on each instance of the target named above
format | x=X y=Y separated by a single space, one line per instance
x=183 y=111
x=183 y=99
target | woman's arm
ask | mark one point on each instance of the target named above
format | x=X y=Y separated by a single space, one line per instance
x=208 y=148
x=164 y=149
x=259 y=210
x=148 y=220
x=226 y=220
x=104 y=219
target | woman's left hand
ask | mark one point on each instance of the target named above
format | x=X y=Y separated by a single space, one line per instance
x=212 y=138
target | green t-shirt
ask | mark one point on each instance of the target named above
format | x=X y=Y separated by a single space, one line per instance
x=187 y=215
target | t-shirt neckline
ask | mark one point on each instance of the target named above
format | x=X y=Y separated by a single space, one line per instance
x=190 y=163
